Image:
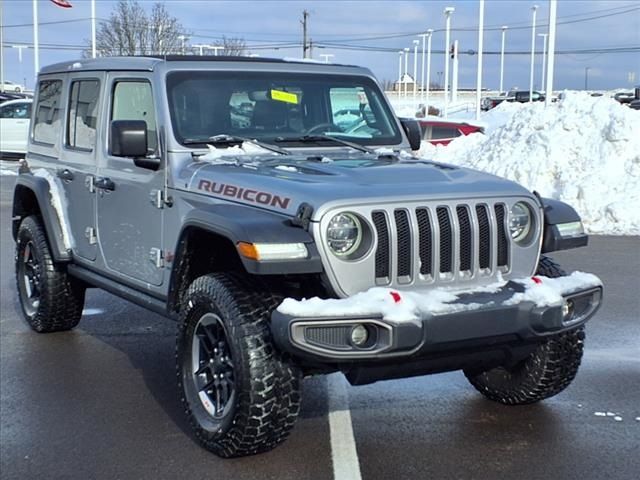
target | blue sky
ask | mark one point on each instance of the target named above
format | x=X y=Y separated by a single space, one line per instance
x=350 y=22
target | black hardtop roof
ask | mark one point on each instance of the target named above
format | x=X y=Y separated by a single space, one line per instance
x=149 y=62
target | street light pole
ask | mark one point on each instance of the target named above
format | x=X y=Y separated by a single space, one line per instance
x=533 y=51
x=406 y=70
x=400 y=73
x=553 y=9
x=426 y=100
x=424 y=47
x=479 y=69
x=415 y=70
x=447 y=13
x=20 y=48
x=504 y=30
x=544 y=59
x=586 y=78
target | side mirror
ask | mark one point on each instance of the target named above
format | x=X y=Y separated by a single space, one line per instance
x=413 y=131
x=129 y=139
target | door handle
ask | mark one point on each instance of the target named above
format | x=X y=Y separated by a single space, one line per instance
x=65 y=174
x=105 y=183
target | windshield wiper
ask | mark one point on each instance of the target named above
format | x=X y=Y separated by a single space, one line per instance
x=234 y=140
x=324 y=138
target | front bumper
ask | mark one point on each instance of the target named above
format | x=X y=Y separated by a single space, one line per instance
x=479 y=319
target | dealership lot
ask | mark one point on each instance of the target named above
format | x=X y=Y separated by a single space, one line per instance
x=101 y=402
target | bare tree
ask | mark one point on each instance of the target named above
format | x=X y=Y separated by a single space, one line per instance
x=233 y=46
x=131 y=31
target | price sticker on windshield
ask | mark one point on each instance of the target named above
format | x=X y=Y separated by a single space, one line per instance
x=286 y=97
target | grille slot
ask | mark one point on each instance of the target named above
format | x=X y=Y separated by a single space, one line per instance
x=484 y=237
x=446 y=240
x=465 y=238
x=382 y=253
x=404 y=243
x=503 y=254
x=425 y=241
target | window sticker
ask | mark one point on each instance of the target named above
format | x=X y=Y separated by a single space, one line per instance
x=286 y=97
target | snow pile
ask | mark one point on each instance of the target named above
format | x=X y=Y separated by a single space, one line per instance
x=412 y=306
x=582 y=150
x=60 y=204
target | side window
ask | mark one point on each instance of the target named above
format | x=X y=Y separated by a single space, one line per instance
x=133 y=100
x=16 y=111
x=46 y=125
x=83 y=114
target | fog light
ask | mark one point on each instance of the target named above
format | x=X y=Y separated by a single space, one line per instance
x=359 y=335
x=567 y=310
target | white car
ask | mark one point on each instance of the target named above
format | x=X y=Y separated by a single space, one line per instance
x=15 y=117
x=8 y=86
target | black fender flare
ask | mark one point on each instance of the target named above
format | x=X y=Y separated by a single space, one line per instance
x=27 y=185
x=239 y=223
x=557 y=212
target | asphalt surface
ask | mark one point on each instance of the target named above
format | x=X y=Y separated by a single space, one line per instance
x=100 y=401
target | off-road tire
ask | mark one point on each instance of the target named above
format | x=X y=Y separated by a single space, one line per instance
x=61 y=297
x=267 y=387
x=545 y=373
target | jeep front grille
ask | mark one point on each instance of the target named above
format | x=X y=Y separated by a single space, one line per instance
x=457 y=240
x=423 y=244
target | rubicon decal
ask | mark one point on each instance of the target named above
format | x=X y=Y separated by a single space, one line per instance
x=246 y=194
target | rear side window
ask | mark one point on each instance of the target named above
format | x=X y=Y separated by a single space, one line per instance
x=444 y=132
x=83 y=114
x=46 y=124
x=133 y=100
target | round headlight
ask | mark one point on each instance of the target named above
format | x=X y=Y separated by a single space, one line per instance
x=519 y=221
x=344 y=234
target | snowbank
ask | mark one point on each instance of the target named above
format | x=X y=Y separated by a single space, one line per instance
x=582 y=150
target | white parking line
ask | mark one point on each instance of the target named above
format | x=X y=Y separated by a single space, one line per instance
x=343 y=445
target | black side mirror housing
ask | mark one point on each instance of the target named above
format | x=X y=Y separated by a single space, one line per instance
x=128 y=138
x=413 y=131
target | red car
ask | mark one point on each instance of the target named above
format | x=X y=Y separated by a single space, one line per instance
x=442 y=132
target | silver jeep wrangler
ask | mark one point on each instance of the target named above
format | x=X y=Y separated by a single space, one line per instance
x=273 y=208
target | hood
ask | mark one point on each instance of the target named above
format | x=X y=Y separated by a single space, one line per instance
x=282 y=183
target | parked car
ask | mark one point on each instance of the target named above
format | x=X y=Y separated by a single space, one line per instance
x=11 y=87
x=6 y=96
x=141 y=179
x=521 y=96
x=15 y=117
x=442 y=132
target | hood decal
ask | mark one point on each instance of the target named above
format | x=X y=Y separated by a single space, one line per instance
x=246 y=194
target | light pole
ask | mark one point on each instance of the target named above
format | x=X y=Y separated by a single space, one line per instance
x=553 y=10
x=586 y=78
x=447 y=13
x=429 y=33
x=415 y=70
x=544 y=59
x=183 y=38
x=406 y=70
x=20 y=48
x=504 y=31
x=533 y=51
x=479 y=69
x=400 y=73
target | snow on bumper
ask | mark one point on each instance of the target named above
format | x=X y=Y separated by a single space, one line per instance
x=392 y=323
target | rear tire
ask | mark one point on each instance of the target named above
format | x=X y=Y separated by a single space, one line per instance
x=545 y=373
x=240 y=395
x=50 y=299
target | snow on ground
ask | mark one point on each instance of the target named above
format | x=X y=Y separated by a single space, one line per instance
x=582 y=150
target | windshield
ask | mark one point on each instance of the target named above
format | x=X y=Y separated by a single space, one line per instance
x=282 y=107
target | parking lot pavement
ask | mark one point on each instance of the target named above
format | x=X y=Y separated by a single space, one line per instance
x=100 y=402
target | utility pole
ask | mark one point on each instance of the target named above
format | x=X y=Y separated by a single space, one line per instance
x=533 y=51
x=544 y=60
x=428 y=79
x=20 y=48
x=415 y=70
x=454 y=73
x=479 y=69
x=305 y=16
x=504 y=31
x=447 y=14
